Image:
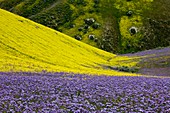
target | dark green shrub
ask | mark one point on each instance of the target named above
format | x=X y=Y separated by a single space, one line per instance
x=78 y=2
x=96 y=25
x=96 y=1
x=133 y=30
x=81 y=2
x=71 y=1
x=127 y=69
x=96 y=39
x=129 y=13
x=123 y=69
x=89 y=21
x=95 y=6
x=72 y=25
x=91 y=11
x=78 y=37
x=86 y=27
x=81 y=12
x=91 y=37
x=80 y=29
x=85 y=31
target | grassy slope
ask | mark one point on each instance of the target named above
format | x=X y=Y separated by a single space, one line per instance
x=150 y=17
x=28 y=46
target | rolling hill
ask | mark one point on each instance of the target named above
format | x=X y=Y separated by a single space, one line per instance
x=116 y=26
x=31 y=47
x=44 y=70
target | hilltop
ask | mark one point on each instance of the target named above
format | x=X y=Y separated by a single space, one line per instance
x=117 y=26
x=31 y=47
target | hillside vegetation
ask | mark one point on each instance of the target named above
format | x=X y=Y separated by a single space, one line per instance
x=117 y=26
x=28 y=46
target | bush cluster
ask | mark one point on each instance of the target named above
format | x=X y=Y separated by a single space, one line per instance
x=127 y=69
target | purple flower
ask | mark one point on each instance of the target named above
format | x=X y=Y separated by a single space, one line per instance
x=63 y=92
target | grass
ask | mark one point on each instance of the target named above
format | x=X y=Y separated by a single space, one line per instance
x=31 y=47
x=68 y=16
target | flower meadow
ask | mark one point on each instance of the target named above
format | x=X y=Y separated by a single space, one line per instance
x=76 y=93
x=30 y=47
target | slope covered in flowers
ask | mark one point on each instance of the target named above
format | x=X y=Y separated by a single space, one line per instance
x=28 y=46
x=109 y=21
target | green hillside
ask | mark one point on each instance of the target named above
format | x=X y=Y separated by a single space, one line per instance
x=28 y=46
x=117 y=26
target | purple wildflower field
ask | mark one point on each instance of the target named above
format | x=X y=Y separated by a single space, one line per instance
x=157 y=52
x=75 y=93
